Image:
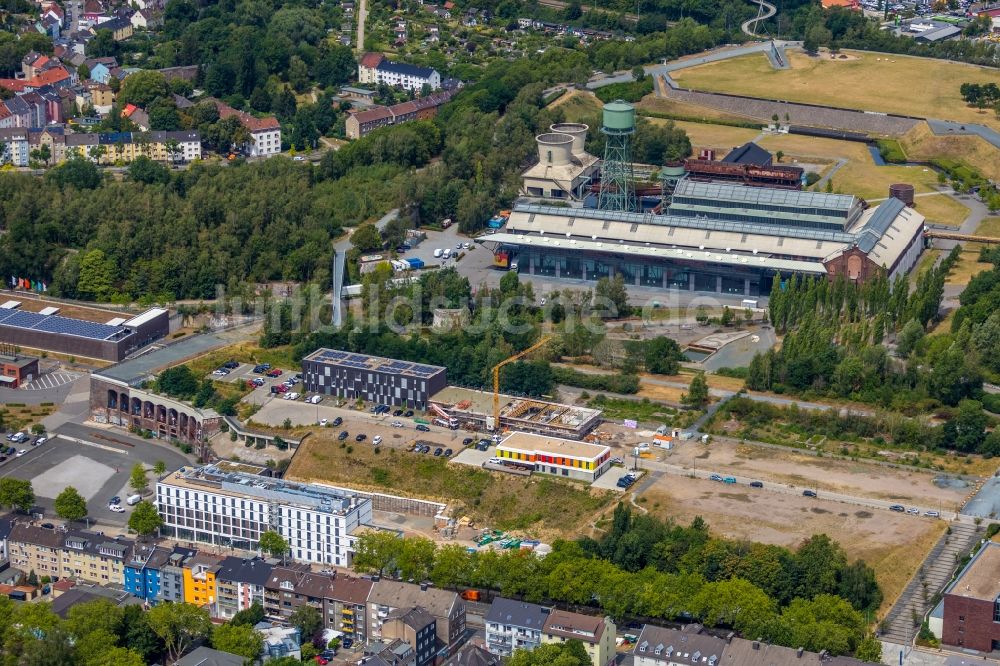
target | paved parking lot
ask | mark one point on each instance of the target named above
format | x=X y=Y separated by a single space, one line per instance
x=609 y=479
x=475 y=457
x=95 y=461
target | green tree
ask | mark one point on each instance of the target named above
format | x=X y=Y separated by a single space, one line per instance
x=376 y=551
x=83 y=72
x=570 y=653
x=142 y=87
x=638 y=73
x=145 y=519
x=159 y=468
x=249 y=616
x=662 y=356
x=42 y=154
x=869 y=650
x=909 y=337
x=366 y=238
x=308 y=621
x=178 y=382
x=416 y=558
x=78 y=172
x=697 y=393
x=735 y=603
x=273 y=544
x=96 y=276
x=144 y=170
x=70 y=504
x=17 y=494
x=451 y=566
x=239 y=639
x=137 y=479
x=179 y=625
x=611 y=298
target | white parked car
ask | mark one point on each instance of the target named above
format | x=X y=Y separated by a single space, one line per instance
x=323 y=422
x=397 y=424
x=377 y=440
x=116 y=508
x=495 y=461
x=316 y=399
x=437 y=253
x=41 y=440
x=21 y=453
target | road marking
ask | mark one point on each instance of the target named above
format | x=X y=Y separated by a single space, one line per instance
x=51 y=380
x=94 y=444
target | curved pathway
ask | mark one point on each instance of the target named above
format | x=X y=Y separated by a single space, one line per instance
x=766 y=11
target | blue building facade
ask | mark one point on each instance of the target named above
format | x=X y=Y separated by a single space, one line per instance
x=142 y=573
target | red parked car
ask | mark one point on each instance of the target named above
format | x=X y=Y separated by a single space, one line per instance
x=274 y=373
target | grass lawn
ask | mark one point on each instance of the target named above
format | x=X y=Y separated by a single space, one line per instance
x=720 y=137
x=906 y=85
x=17 y=416
x=942 y=209
x=577 y=105
x=922 y=145
x=859 y=176
x=539 y=505
x=989 y=227
x=967 y=266
x=683 y=109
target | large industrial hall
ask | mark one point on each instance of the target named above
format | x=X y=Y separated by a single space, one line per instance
x=721 y=227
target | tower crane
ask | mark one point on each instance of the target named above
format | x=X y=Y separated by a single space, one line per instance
x=496 y=378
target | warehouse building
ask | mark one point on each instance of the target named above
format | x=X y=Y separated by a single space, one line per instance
x=717 y=237
x=552 y=455
x=372 y=378
x=233 y=504
x=110 y=341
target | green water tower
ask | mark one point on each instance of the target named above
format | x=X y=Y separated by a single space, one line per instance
x=617 y=180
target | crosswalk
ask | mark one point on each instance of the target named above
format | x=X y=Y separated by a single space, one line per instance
x=51 y=380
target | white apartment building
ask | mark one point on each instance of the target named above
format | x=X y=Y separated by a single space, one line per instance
x=376 y=68
x=233 y=504
x=16 y=147
x=514 y=625
x=265 y=133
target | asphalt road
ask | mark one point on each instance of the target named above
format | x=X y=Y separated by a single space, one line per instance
x=107 y=448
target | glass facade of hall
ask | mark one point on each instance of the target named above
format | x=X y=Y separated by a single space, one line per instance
x=664 y=273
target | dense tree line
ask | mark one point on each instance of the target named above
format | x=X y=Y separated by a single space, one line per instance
x=811 y=597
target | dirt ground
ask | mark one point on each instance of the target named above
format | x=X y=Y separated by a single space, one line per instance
x=792 y=467
x=893 y=544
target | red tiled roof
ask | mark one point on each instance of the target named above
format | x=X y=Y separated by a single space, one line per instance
x=250 y=122
x=371 y=60
x=372 y=115
x=449 y=5
x=129 y=110
x=4 y=111
x=15 y=85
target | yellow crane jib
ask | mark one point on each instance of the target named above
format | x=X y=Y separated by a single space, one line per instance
x=496 y=379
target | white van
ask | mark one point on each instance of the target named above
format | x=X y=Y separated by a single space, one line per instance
x=292 y=396
x=446 y=253
x=315 y=400
x=133 y=500
x=437 y=253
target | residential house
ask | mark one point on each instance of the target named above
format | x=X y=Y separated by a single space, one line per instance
x=142 y=572
x=279 y=642
x=137 y=116
x=596 y=633
x=7 y=521
x=121 y=28
x=172 y=576
x=16 y=147
x=186 y=72
x=265 y=133
x=282 y=595
x=144 y=20
x=53 y=138
x=199 y=579
x=98 y=95
x=206 y=656
x=514 y=625
x=416 y=627
x=33 y=64
x=375 y=68
x=240 y=584
x=472 y=654
x=58 y=77
x=361 y=123
x=93 y=12
x=161 y=146
x=93 y=557
x=100 y=68
x=20 y=113
x=347 y=605
x=388 y=652
x=658 y=646
x=445 y=606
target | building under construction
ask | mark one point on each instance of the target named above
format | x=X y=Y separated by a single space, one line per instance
x=718 y=227
x=473 y=407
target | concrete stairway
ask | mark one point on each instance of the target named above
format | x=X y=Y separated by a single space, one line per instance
x=936 y=572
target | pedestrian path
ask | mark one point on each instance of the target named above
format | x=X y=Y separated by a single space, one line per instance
x=935 y=573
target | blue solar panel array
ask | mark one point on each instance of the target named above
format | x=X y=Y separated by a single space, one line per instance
x=374 y=363
x=61 y=325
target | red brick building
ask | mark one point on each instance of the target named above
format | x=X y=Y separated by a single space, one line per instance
x=17 y=370
x=972 y=604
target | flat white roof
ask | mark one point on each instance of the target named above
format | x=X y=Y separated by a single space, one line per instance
x=145 y=317
x=529 y=443
x=10 y=305
x=48 y=311
x=117 y=321
x=677 y=253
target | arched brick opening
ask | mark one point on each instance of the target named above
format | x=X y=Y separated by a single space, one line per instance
x=112 y=399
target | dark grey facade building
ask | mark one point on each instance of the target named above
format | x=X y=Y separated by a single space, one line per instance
x=372 y=378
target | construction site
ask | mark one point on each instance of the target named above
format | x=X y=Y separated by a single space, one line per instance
x=475 y=409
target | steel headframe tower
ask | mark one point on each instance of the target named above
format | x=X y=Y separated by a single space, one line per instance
x=617 y=180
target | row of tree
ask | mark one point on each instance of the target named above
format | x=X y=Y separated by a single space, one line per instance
x=810 y=598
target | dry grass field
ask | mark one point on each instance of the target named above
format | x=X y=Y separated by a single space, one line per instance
x=942 y=209
x=541 y=506
x=967 y=267
x=893 y=544
x=577 y=105
x=905 y=85
x=989 y=227
x=921 y=145
x=658 y=105
x=721 y=138
x=860 y=176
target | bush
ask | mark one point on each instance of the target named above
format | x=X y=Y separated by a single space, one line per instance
x=991 y=402
x=613 y=383
x=891 y=151
x=631 y=91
